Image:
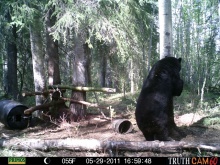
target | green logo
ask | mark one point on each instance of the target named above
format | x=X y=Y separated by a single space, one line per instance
x=16 y=160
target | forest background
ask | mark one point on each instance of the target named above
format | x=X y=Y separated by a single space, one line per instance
x=108 y=43
x=105 y=43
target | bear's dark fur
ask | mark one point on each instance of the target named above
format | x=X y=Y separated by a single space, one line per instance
x=154 y=109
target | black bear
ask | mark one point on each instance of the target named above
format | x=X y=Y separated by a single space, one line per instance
x=154 y=109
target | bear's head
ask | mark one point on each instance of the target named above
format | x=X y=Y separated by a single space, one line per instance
x=167 y=72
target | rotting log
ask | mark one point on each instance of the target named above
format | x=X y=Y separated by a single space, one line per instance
x=96 y=145
x=84 y=89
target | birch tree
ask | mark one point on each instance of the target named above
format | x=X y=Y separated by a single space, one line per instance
x=165 y=28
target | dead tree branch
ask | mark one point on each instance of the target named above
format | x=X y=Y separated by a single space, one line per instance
x=44 y=93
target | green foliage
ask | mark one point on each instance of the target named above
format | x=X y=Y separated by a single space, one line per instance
x=187 y=102
x=211 y=121
x=195 y=30
x=107 y=21
x=123 y=29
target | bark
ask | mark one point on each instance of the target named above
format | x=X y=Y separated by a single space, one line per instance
x=109 y=75
x=218 y=39
x=97 y=145
x=52 y=51
x=103 y=62
x=165 y=24
x=87 y=52
x=150 y=45
x=80 y=74
x=37 y=58
x=4 y=72
x=132 y=76
x=11 y=78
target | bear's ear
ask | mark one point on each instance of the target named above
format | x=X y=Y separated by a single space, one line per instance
x=180 y=59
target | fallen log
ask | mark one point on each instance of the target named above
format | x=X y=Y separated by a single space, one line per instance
x=84 y=103
x=88 y=104
x=84 y=89
x=60 y=101
x=43 y=106
x=44 y=93
x=96 y=145
x=24 y=94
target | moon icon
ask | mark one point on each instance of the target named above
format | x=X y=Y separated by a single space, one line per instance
x=47 y=160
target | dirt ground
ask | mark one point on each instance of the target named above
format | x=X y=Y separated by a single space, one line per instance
x=98 y=128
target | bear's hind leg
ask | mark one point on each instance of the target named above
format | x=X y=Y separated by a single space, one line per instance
x=148 y=135
x=162 y=133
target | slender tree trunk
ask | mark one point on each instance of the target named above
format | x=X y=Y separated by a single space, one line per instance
x=37 y=59
x=198 y=51
x=187 y=47
x=11 y=78
x=149 y=50
x=4 y=74
x=103 y=70
x=87 y=51
x=132 y=76
x=102 y=49
x=165 y=24
x=150 y=43
x=109 y=77
x=218 y=39
x=145 y=68
x=52 y=51
x=79 y=77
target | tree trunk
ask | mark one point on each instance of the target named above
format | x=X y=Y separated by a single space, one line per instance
x=12 y=82
x=132 y=76
x=87 y=51
x=102 y=50
x=52 y=51
x=218 y=39
x=79 y=76
x=109 y=75
x=3 y=68
x=165 y=24
x=37 y=59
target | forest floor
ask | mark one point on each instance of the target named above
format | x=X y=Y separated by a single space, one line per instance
x=200 y=126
